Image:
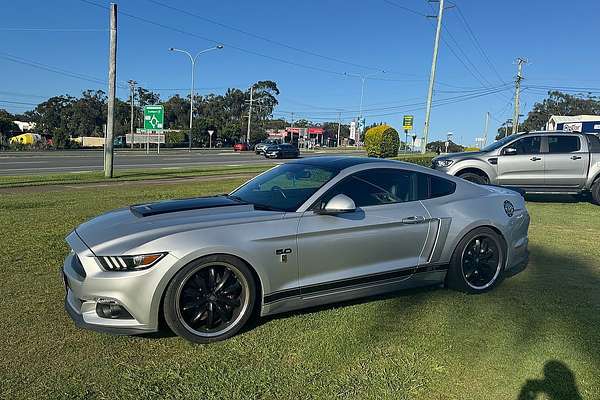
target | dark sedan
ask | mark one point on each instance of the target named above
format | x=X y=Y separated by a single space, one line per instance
x=284 y=150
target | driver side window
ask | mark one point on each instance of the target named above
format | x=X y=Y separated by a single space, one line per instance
x=375 y=187
x=527 y=145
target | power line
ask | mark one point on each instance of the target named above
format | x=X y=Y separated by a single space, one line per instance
x=477 y=43
x=18 y=102
x=52 y=30
x=409 y=106
x=241 y=49
x=56 y=70
x=266 y=39
x=405 y=8
x=238 y=48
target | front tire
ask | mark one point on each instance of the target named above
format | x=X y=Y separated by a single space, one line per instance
x=210 y=299
x=473 y=177
x=477 y=264
x=596 y=192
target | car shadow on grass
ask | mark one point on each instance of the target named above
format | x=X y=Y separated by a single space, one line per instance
x=559 y=198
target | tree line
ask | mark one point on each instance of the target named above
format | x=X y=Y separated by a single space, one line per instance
x=65 y=116
x=556 y=103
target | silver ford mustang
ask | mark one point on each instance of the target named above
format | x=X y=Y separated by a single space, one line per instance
x=305 y=233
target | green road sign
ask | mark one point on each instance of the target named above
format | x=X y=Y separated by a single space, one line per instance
x=154 y=117
x=407 y=122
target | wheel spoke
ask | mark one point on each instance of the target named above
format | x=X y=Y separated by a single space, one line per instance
x=193 y=305
x=224 y=279
x=222 y=312
x=230 y=302
x=231 y=288
x=211 y=278
x=198 y=315
x=211 y=315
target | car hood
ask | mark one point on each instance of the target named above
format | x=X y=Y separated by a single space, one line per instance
x=121 y=231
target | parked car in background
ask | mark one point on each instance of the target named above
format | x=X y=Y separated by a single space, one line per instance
x=309 y=232
x=284 y=150
x=261 y=147
x=538 y=162
x=240 y=147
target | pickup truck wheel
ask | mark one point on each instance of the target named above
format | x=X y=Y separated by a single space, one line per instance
x=596 y=192
x=473 y=177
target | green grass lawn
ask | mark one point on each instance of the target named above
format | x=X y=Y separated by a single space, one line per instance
x=418 y=344
x=130 y=175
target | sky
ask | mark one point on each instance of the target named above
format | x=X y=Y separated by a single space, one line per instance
x=315 y=50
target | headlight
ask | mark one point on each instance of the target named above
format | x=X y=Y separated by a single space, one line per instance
x=130 y=263
x=443 y=163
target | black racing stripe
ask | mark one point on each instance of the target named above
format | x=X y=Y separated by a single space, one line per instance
x=282 y=294
x=365 y=279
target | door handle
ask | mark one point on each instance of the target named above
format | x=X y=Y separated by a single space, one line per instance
x=413 y=220
x=575 y=158
x=535 y=158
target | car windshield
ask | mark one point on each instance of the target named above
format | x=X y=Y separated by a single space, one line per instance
x=285 y=187
x=498 y=143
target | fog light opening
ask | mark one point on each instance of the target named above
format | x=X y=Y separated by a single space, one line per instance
x=111 y=309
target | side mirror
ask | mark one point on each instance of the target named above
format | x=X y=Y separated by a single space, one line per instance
x=509 y=151
x=338 y=204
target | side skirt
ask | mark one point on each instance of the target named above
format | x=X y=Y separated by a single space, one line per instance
x=349 y=289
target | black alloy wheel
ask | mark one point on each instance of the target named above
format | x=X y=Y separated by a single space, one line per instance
x=210 y=299
x=477 y=264
x=481 y=262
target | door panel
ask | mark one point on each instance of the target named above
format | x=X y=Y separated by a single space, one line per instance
x=565 y=164
x=371 y=240
x=526 y=167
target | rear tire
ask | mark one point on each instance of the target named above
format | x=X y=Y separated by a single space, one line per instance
x=477 y=264
x=210 y=299
x=596 y=192
x=473 y=177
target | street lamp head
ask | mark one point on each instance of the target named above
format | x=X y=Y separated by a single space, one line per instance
x=220 y=46
x=171 y=48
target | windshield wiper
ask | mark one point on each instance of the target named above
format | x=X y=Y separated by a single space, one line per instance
x=236 y=198
x=266 y=208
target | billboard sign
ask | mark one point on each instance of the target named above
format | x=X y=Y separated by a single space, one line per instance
x=407 y=122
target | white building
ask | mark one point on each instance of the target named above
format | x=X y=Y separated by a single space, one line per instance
x=25 y=126
x=575 y=123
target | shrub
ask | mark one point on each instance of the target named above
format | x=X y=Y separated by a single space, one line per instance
x=174 y=138
x=382 y=141
x=424 y=160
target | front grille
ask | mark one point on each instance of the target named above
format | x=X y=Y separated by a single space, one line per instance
x=77 y=267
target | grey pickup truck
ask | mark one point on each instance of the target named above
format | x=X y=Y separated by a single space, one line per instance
x=536 y=162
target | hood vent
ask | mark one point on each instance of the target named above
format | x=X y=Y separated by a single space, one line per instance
x=170 y=206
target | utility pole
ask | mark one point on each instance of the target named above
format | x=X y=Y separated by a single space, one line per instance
x=249 y=115
x=485 y=131
x=432 y=75
x=339 y=128
x=519 y=78
x=132 y=84
x=112 y=81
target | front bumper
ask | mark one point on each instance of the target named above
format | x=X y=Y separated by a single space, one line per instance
x=134 y=291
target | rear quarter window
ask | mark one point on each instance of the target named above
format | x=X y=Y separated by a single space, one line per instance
x=440 y=187
x=431 y=187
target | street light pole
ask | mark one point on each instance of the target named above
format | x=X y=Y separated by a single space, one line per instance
x=193 y=60
x=363 y=79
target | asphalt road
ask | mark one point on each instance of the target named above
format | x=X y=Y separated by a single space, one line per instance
x=35 y=163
